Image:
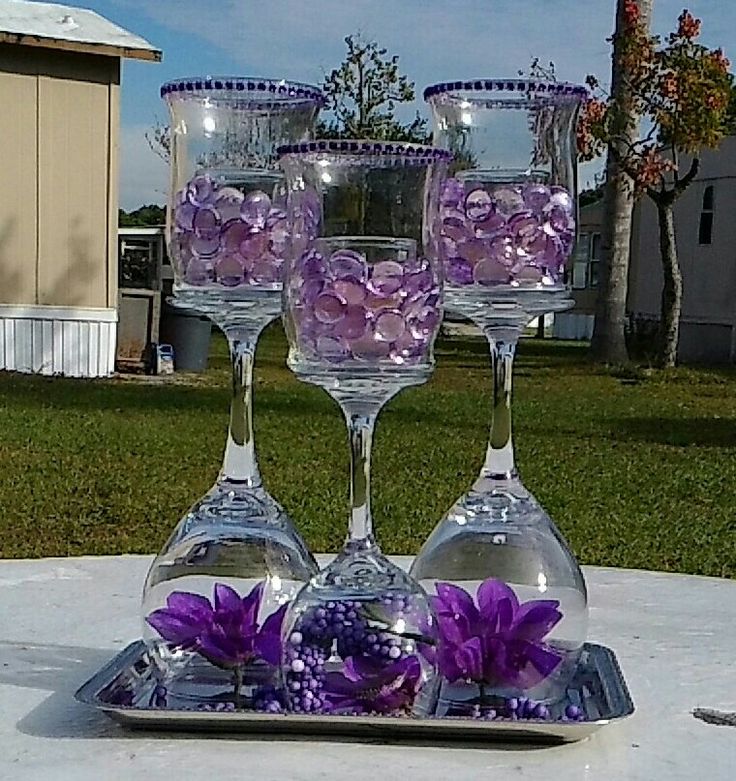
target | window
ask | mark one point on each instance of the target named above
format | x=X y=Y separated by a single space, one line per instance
x=595 y=260
x=586 y=261
x=580 y=261
x=705 y=232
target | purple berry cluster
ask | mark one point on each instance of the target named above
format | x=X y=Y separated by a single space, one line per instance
x=344 y=629
x=524 y=709
x=501 y=234
x=269 y=699
x=344 y=308
x=222 y=237
x=304 y=671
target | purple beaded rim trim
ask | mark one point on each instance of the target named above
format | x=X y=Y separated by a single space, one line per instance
x=380 y=148
x=553 y=89
x=266 y=88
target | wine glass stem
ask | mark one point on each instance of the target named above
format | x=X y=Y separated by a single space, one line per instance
x=360 y=431
x=240 y=464
x=499 y=463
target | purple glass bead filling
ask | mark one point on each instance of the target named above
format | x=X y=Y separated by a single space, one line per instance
x=222 y=237
x=344 y=308
x=505 y=234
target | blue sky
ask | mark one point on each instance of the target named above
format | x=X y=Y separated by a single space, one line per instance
x=301 y=40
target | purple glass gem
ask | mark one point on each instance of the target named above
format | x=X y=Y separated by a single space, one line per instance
x=529 y=274
x=490 y=227
x=389 y=325
x=523 y=224
x=200 y=189
x=533 y=244
x=559 y=219
x=254 y=245
x=561 y=197
x=452 y=193
x=205 y=248
x=456 y=229
x=184 y=215
x=279 y=232
x=502 y=250
x=331 y=349
x=227 y=202
x=386 y=278
x=351 y=290
x=229 y=271
x=508 y=200
x=369 y=348
x=418 y=282
x=536 y=196
x=353 y=324
x=473 y=250
x=423 y=324
x=458 y=271
x=311 y=264
x=406 y=348
x=329 y=308
x=206 y=223
x=376 y=302
x=198 y=272
x=309 y=290
x=491 y=272
x=478 y=205
x=347 y=263
x=256 y=208
x=233 y=235
x=266 y=270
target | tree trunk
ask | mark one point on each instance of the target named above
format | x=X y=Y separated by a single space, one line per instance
x=669 y=320
x=609 y=337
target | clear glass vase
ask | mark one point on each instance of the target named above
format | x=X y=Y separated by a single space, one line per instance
x=362 y=307
x=508 y=228
x=227 y=236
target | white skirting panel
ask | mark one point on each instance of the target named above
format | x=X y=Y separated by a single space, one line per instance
x=574 y=326
x=58 y=340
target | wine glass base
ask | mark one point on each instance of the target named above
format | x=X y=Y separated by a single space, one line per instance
x=237 y=535
x=499 y=532
x=360 y=639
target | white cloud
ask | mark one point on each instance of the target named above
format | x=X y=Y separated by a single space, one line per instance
x=143 y=175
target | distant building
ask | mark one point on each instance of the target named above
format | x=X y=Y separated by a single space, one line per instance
x=705 y=225
x=59 y=93
x=577 y=324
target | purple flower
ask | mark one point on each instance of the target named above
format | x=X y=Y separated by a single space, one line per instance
x=497 y=642
x=228 y=634
x=369 y=686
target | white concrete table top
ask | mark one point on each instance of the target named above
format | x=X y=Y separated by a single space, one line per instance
x=62 y=619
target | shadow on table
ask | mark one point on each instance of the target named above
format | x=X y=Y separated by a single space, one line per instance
x=61 y=670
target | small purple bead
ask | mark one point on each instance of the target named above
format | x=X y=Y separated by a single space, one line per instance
x=256 y=208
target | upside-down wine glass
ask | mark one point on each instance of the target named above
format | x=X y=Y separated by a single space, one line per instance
x=362 y=307
x=227 y=237
x=501 y=570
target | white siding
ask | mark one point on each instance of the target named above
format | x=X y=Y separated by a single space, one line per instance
x=58 y=340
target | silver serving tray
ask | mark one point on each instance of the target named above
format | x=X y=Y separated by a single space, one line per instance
x=598 y=688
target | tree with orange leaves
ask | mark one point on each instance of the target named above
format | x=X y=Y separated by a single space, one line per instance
x=685 y=93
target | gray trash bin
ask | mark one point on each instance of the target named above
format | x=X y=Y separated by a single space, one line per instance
x=189 y=334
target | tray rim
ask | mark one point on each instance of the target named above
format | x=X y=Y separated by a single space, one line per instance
x=392 y=727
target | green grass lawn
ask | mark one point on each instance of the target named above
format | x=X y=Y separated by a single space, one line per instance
x=637 y=472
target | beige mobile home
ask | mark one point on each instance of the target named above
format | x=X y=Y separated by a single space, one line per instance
x=59 y=96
